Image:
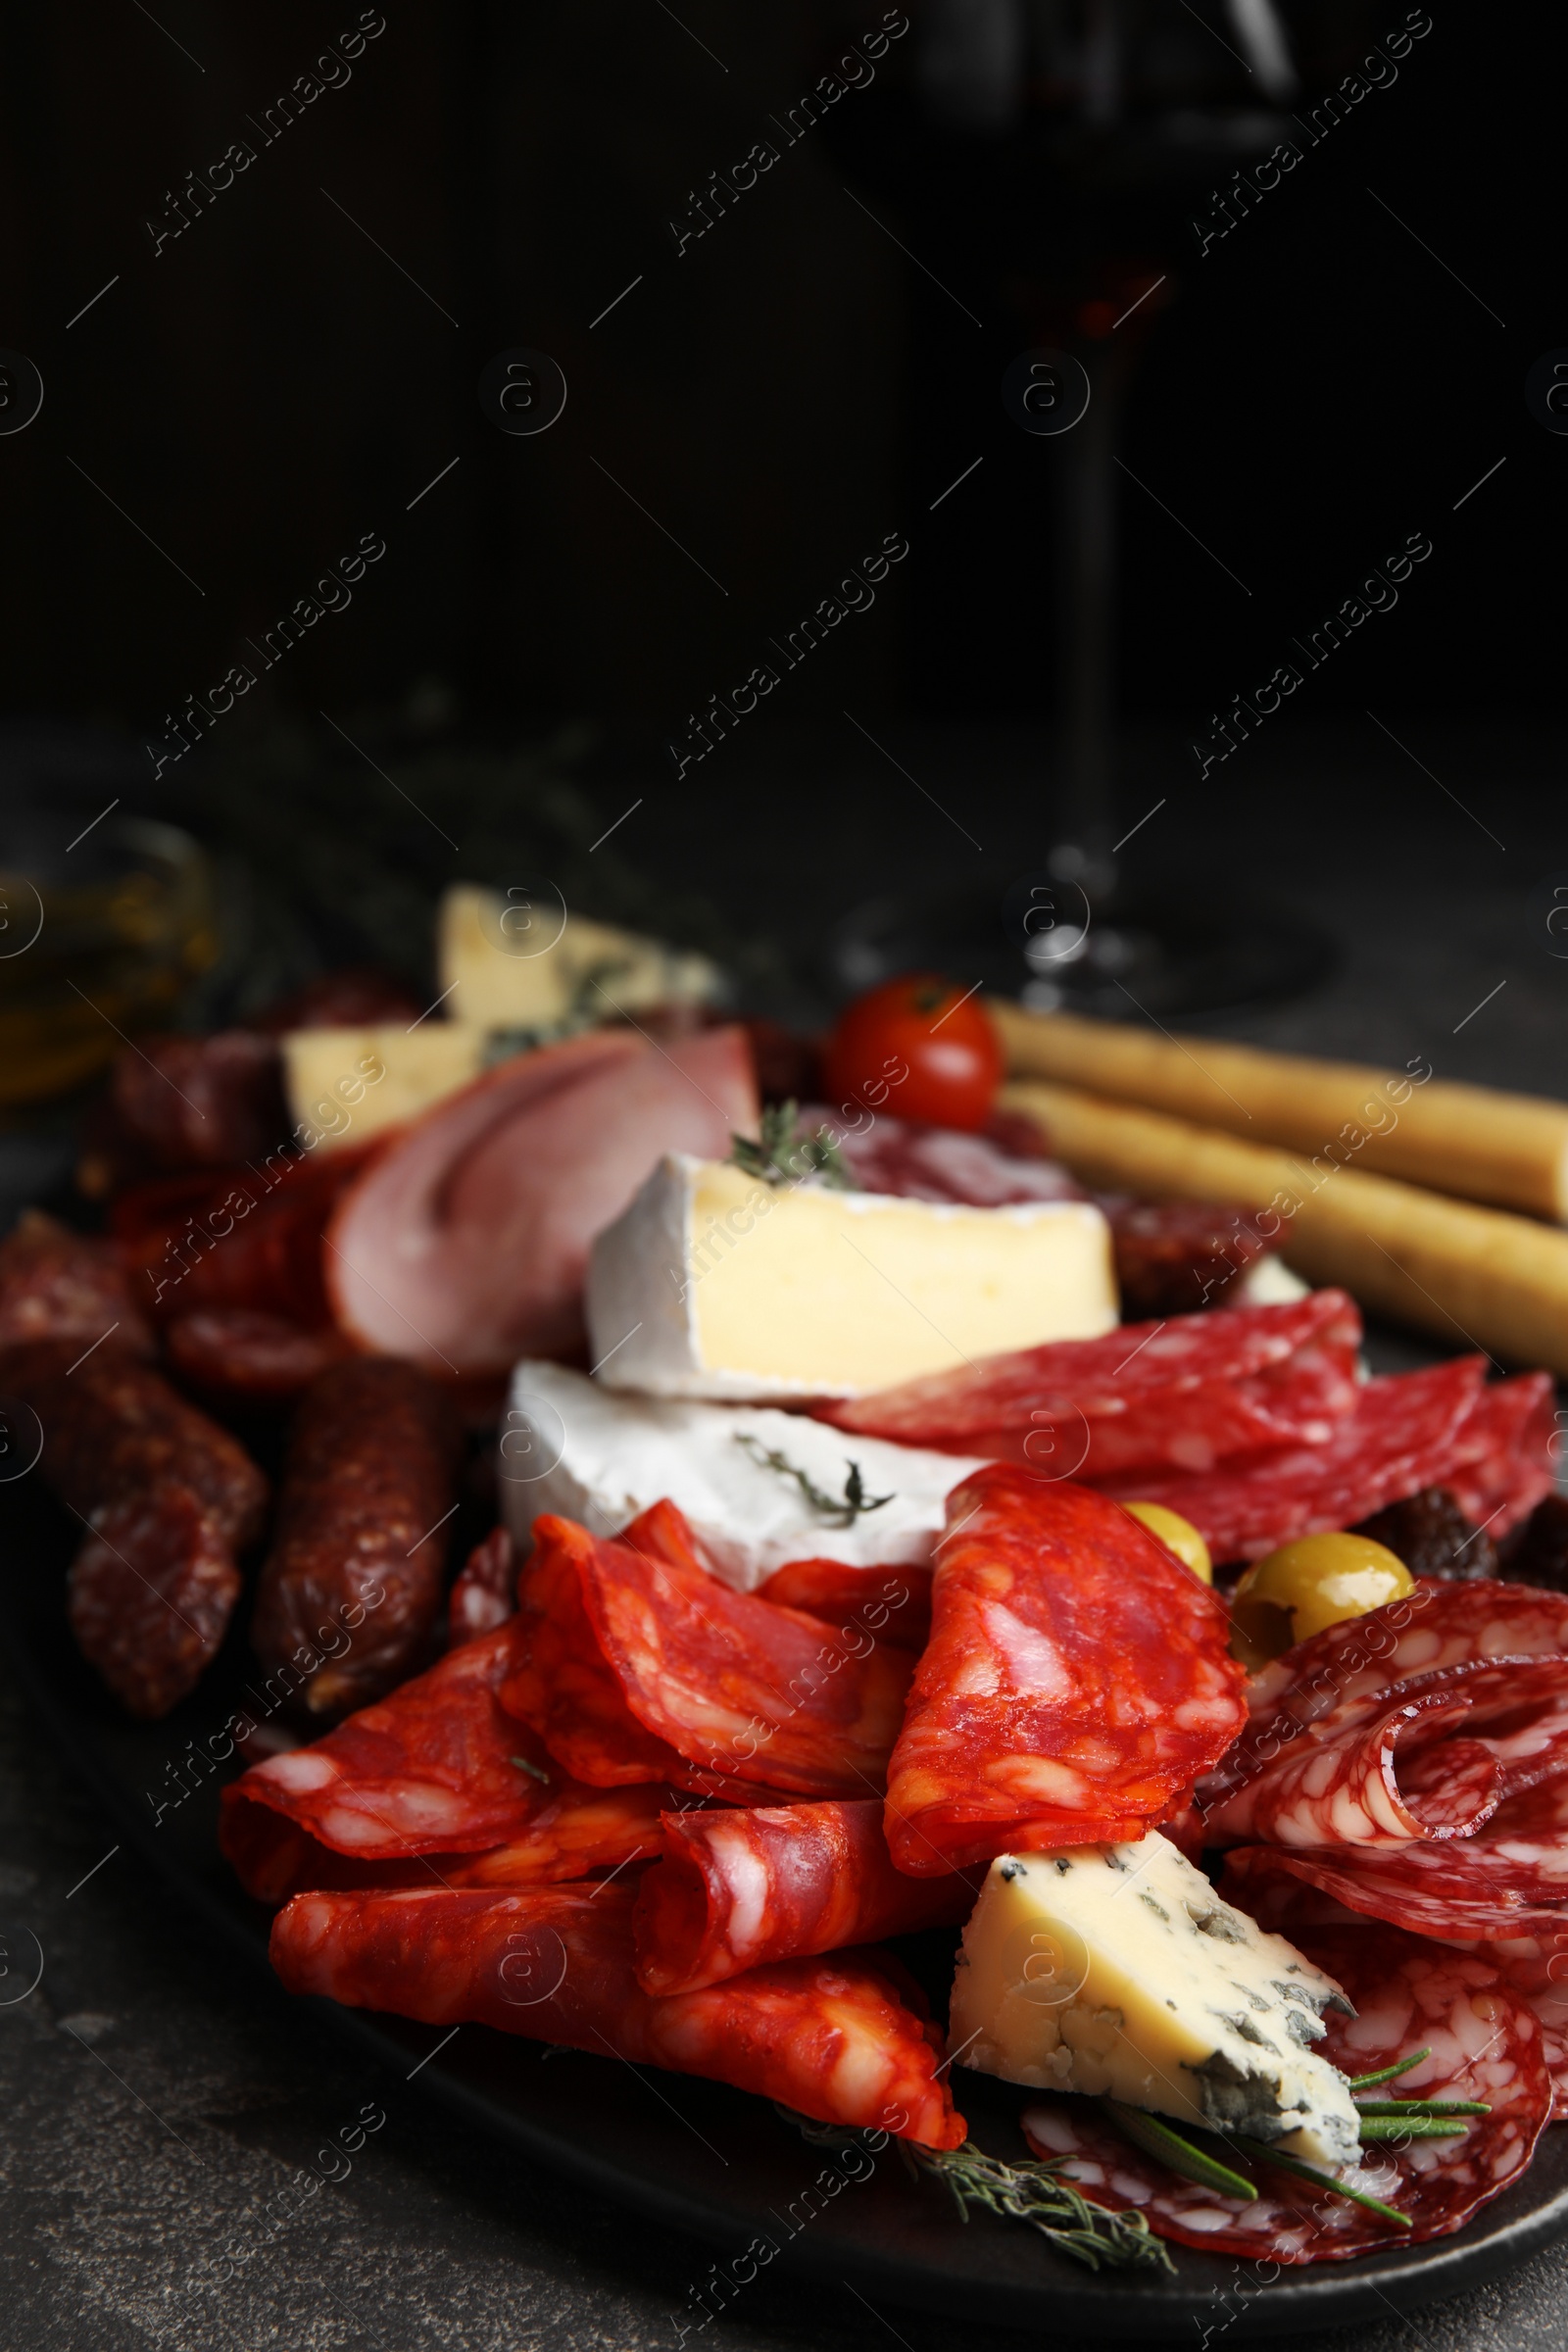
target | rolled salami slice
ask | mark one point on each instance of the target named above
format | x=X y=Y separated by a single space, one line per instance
x=368 y=1491
x=1504 y=1462
x=1473 y=1890
x=838 y=2039
x=641 y=1665
x=891 y=1605
x=1439 y=1626
x=1339 y=1781
x=1485 y=2044
x=737 y=1888
x=1076 y=1680
x=1400 y=1436
x=1181 y=1394
x=439 y=1771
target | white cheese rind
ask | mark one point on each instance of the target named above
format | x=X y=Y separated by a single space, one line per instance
x=715 y=1284
x=572 y=1446
x=1118 y=1971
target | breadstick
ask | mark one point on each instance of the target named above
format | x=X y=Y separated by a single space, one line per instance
x=1474 y=1277
x=1510 y=1150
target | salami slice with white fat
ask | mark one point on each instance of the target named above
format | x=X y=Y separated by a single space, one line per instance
x=844 y=2039
x=1177 y=1395
x=1400 y=1437
x=1485 y=2043
x=1075 y=1682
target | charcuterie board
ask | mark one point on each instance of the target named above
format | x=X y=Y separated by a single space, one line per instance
x=704 y=2158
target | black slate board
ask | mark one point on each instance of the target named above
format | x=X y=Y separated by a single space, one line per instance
x=709 y=2161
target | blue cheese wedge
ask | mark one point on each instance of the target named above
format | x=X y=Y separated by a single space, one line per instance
x=743 y=1477
x=1116 y=1970
x=715 y=1284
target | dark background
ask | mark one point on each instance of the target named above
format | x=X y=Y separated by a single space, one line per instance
x=271 y=385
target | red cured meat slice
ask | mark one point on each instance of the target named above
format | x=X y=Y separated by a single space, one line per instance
x=240 y=1355
x=738 y=1888
x=247 y=1237
x=1400 y=1437
x=1178 y=1257
x=891 y=1605
x=834 y=2039
x=1182 y=1394
x=1485 y=2044
x=1472 y=1890
x=884 y=1155
x=1503 y=1463
x=485 y=1593
x=438 y=1769
x=199 y=1102
x=643 y=1666
x=1440 y=1625
x=60 y=1285
x=151 y=1593
x=465 y=1242
x=1535 y=1968
x=1076 y=1680
x=1514 y=1715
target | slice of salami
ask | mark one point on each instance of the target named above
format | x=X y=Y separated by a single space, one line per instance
x=1535 y=1968
x=1168 y=1395
x=241 y=1356
x=1400 y=1437
x=682 y=1674
x=891 y=1605
x=1485 y=2044
x=366 y=1494
x=1076 y=1680
x=485 y=1593
x=60 y=1285
x=737 y=1888
x=1351 y=1779
x=1178 y=1257
x=433 y=1769
x=1440 y=1625
x=151 y=1593
x=835 y=2039
x=1471 y=1890
x=1505 y=1463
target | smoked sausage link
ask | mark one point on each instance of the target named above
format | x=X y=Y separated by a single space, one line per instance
x=352 y=1586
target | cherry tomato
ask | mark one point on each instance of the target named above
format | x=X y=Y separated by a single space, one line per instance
x=919 y=1048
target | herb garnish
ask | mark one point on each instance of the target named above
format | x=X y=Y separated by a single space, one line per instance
x=839 y=1511
x=783 y=1158
x=537 y=1771
x=1037 y=2195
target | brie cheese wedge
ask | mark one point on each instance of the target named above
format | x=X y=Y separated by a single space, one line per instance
x=571 y=1446
x=1116 y=1970
x=715 y=1283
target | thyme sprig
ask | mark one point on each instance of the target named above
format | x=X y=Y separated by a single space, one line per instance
x=839 y=1511
x=781 y=1156
x=1036 y=2194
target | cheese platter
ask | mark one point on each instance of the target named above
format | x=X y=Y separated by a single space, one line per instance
x=838 y=1586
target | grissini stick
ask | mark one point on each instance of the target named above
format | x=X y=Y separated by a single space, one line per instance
x=1474 y=1277
x=1509 y=1149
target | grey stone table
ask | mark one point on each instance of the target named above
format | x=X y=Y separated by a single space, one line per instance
x=153 y=2101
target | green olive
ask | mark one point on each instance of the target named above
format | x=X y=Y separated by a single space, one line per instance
x=1302 y=1587
x=1178 y=1535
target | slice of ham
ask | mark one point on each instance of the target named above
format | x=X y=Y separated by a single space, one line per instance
x=465 y=1242
x=845 y=2040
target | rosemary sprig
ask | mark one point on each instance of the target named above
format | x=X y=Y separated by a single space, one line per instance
x=1423 y=2107
x=1034 y=2193
x=1376 y=2128
x=536 y=1770
x=1400 y=2066
x=839 y=1511
x=781 y=1156
x=1263 y=2154
x=1160 y=2139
